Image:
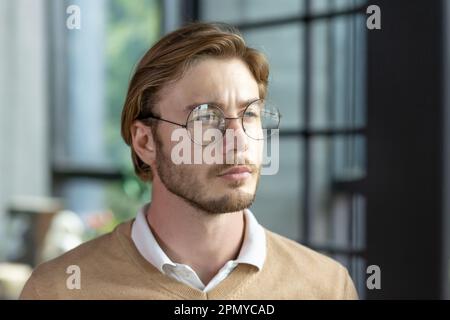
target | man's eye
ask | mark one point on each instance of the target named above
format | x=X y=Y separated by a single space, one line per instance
x=207 y=117
x=251 y=114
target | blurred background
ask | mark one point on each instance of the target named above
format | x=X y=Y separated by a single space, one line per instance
x=364 y=154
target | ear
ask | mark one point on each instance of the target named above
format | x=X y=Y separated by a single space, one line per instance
x=143 y=142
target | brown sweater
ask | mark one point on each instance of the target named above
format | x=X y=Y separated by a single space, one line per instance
x=112 y=268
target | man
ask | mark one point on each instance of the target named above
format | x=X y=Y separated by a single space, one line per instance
x=196 y=239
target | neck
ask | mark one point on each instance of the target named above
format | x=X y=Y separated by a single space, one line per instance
x=187 y=235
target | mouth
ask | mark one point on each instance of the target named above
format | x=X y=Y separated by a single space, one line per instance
x=236 y=173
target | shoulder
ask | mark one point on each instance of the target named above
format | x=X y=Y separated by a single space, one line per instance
x=298 y=253
x=91 y=259
x=319 y=273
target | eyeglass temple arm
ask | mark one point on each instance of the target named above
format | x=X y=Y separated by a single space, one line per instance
x=161 y=119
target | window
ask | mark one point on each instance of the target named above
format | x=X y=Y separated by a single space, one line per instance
x=92 y=170
x=316 y=50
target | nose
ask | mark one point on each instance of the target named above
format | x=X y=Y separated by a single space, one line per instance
x=235 y=139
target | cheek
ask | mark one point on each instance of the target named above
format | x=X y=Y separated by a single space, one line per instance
x=255 y=152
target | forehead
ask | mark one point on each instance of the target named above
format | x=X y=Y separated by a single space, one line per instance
x=217 y=71
x=225 y=81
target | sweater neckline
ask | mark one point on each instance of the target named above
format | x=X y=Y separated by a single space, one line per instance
x=242 y=275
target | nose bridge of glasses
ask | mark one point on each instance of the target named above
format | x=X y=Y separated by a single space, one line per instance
x=238 y=122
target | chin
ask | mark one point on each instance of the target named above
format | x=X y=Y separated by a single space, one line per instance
x=238 y=186
x=234 y=202
x=241 y=196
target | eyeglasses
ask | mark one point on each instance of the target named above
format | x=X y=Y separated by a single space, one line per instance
x=258 y=121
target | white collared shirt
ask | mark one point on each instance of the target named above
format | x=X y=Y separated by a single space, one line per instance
x=253 y=251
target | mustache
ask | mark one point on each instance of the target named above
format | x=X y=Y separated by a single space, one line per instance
x=218 y=169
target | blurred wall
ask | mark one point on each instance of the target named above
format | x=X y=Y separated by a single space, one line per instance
x=23 y=104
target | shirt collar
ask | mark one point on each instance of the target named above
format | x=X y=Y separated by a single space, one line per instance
x=146 y=243
x=253 y=249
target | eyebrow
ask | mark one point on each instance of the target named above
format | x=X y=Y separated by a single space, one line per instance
x=242 y=105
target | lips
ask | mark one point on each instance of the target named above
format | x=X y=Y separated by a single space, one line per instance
x=236 y=174
x=236 y=170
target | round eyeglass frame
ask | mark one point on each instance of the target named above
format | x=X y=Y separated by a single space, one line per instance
x=241 y=117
